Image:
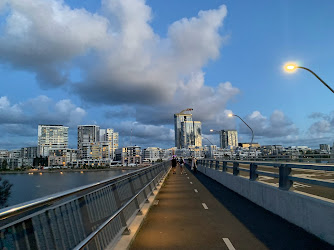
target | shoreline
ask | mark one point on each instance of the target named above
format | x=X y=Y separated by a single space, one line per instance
x=69 y=170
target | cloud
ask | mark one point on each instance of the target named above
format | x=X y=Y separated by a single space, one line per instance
x=324 y=125
x=44 y=36
x=136 y=133
x=132 y=64
x=278 y=125
x=39 y=110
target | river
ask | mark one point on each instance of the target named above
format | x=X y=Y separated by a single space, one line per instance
x=28 y=187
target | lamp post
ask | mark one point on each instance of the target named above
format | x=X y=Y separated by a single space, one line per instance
x=290 y=67
x=207 y=139
x=210 y=146
x=231 y=115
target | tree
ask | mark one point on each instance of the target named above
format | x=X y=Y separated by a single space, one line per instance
x=5 y=187
x=4 y=165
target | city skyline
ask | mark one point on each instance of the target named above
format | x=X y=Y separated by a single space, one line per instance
x=153 y=59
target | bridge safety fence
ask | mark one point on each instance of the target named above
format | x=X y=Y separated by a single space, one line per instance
x=284 y=176
x=89 y=217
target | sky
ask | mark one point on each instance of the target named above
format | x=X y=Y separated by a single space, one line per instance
x=131 y=64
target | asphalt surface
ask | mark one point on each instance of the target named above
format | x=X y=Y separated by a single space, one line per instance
x=215 y=217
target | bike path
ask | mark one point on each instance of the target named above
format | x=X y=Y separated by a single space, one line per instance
x=196 y=212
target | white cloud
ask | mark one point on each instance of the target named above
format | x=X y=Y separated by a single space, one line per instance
x=278 y=125
x=43 y=36
x=39 y=110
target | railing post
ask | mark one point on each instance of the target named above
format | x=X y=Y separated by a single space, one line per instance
x=235 y=168
x=217 y=165
x=121 y=214
x=224 y=166
x=284 y=182
x=211 y=163
x=136 y=200
x=252 y=173
x=144 y=191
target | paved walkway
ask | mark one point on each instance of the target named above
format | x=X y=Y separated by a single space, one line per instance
x=195 y=212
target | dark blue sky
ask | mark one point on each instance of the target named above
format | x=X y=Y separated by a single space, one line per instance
x=131 y=64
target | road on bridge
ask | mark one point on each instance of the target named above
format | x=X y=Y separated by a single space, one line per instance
x=195 y=212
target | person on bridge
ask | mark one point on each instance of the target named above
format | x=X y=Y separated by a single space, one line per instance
x=181 y=162
x=174 y=163
x=194 y=164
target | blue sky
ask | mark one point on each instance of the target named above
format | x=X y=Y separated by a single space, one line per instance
x=131 y=64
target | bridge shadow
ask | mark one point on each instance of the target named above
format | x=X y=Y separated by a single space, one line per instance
x=272 y=230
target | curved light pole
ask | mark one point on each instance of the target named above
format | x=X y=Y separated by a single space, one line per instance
x=231 y=115
x=292 y=67
x=207 y=139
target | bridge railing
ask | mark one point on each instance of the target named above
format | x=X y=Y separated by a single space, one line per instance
x=90 y=217
x=283 y=175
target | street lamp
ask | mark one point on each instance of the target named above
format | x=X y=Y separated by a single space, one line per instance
x=231 y=115
x=207 y=139
x=291 y=67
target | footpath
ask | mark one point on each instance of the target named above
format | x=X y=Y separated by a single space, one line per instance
x=195 y=212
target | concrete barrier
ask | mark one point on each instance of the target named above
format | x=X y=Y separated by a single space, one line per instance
x=312 y=213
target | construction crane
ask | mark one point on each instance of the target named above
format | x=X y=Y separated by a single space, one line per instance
x=188 y=109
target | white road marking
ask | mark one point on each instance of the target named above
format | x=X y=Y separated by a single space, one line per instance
x=228 y=244
x=195 y=190
x=191 y=183
x=205 y=206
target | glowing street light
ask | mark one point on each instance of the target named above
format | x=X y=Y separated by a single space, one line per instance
x=291 y=67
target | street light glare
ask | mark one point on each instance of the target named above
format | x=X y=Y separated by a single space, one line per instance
x=230 y=115
x=211 y=130
x=290 y=67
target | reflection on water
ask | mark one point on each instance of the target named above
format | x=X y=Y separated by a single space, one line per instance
x=27 y=187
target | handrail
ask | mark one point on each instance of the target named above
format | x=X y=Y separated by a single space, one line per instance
x=283 y=175
x=46 y=200
x=86 y=241
x=277 y=164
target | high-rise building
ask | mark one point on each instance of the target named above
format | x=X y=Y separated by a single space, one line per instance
x=198 y=133
x=51 y=137
x=187 y=132
x=228 y=138
x=178 y=119
x=108 y=142
x=87 y=136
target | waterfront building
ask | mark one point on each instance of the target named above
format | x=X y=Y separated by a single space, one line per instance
x=62 y=157
x=15 y=153
x=88 y=135
x=228 y=138
x=109 y=143
x=151 y=154
x=51 y=137
x=29 y=152
x=129 y=155
x=4 y=153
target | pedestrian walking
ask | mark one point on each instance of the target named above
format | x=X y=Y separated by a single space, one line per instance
x=181 y=162
x=174 y=163
x=194 y=164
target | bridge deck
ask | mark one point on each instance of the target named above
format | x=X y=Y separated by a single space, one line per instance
x=181 y=221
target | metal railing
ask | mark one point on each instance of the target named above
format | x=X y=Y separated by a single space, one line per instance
x=297 y=157
x=285 y=180
x=89 y=217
